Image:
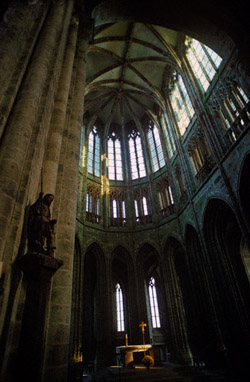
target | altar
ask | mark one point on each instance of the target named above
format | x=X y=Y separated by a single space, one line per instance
x=126 y=352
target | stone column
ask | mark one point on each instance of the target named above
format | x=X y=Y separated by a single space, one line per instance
x=38 y=270
x=54 y=140
x=18 y=33
x=19 y=130
x=178 y=324
x=57 y=344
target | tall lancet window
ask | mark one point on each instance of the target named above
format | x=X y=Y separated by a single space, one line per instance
x=157 y=157
x=114 y=157
x=94 y=152
x=137 y=163
x=181 y=103
x=119 y=308
x=153 y=301
x=203 y=61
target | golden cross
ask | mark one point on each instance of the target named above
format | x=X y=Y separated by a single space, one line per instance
x=142 y=325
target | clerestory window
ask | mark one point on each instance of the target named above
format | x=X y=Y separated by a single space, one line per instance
x=137 y=163
x=119 y=309
x=171 y=148
x=153 y=302
x=157 y=157
x=203 y=61
x=94 y=152
x=114 y=158
x=181 y=103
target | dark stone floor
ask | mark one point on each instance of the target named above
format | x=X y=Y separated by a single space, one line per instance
x=167 y=373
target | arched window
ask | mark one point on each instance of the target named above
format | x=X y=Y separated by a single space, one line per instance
x=119 y=308
x=171 y=148
x=203 y=61
x=93 y=205
x=155 y=147
x=137 y=164
x=114 y=157
x=181 y=103
x=114 y=208
x=94 y=153
x=117 y=209
x=142 y=213
x=144 y=206
x=153 y=301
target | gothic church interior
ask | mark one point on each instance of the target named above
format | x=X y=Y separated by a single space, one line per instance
x=135 y=117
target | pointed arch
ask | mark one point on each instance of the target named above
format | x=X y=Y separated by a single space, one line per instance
x=123 y=274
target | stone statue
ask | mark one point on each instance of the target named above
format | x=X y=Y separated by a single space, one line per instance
x=40 y=225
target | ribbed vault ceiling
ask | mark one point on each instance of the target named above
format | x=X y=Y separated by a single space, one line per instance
x=127 y=71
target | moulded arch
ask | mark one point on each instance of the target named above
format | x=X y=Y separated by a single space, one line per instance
x=192 y=240
x=121 y=250
x=122 y=265
x=96 y=249
x=173 y=244
x=148 y=258
x=218 y=196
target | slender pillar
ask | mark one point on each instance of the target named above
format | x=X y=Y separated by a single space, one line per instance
x=18 y=34
x=19 y=130
x=54 y=141
x=58 y=338
x=38 y=270
x=180 y=340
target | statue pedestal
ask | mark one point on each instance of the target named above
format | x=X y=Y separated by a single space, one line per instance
x=38 y=270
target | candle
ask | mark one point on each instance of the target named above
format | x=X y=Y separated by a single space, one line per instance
x=126 y=339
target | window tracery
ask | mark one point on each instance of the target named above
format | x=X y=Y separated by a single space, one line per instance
x=142 y=207
x=155 y=147
x=117 y=208
x=169 y=139
x=165 y=197
x=181 y=103
x=119 y=308
x=94 y=154
x=232 y=107
x=204 y=62
x=93 y=204
x=200 y=156
x=137 y=164
x=153 y=301
x=115 y=171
